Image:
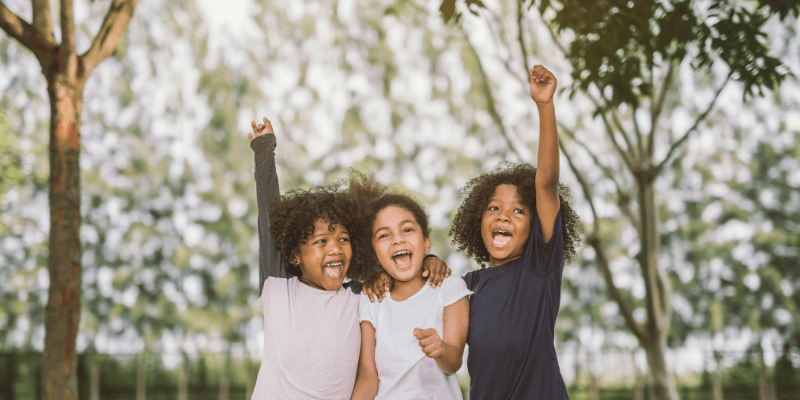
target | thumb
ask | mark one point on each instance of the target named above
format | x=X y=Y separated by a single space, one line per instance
x=418 y=333
x=250 y=136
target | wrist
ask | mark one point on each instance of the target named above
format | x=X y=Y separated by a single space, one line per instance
x=545 y=105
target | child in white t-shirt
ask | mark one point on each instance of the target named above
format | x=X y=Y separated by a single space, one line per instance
x=413 y=341
x=309 y=241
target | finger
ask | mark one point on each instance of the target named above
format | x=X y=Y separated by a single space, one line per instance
x=427 y=332
x=268 y=126
x=369 y=294
x=417 y=332
x=447 y=273
x=428 y=341
x=380 y=291
x=425 y=274
x=432 y=351
x=250 y=136
x=435 y=279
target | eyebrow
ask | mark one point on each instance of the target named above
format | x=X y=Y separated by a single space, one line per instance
x=516 y=201
x=387 y=228
x=314 y=236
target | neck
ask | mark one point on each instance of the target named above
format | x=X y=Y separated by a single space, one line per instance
x=402 y=290
x=312 y=284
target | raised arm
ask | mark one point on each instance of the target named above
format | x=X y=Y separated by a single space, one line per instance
x=263 y=145
x=543 y=87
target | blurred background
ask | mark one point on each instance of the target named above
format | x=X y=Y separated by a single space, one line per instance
x=680 y=136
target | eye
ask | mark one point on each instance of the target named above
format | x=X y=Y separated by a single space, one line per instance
x=321 y=241
x=408 y=230
x=493 y=208
x=385 y=235
x=344 y=239
x=519 y=211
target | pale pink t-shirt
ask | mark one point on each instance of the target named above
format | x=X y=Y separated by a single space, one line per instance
x=311 y=342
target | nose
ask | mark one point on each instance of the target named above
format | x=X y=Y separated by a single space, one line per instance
x=335 y=247
x=503 y=216
x=397 y=239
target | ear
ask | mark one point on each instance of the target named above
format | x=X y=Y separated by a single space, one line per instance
x=427 y=245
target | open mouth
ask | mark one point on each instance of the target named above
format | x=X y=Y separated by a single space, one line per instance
x=333 y=269
x=501 y=237
x=402 y=257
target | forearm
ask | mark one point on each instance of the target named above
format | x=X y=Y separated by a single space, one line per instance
x=450 y=360
x=366 y=386
x=548 y=166
x=267 y=188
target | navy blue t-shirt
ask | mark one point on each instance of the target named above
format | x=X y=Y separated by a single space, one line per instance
x=512 y=316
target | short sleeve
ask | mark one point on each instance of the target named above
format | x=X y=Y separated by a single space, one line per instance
x=366 y=309
x=453 y=289
x=544 y=258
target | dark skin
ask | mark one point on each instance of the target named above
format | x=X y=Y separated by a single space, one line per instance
x=432 y=268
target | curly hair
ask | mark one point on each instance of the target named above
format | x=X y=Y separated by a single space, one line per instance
x=293 y=215
x=366 y=190
x=466 y=228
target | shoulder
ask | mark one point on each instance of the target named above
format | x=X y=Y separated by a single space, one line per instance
x=471 y=278
x=455 y=282
x=277 y=283
x=453 y=289
x=367 y=310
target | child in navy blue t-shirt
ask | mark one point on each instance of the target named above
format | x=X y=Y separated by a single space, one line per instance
x=518 y=219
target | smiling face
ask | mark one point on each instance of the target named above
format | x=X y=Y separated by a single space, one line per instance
x=505 y=226
x=324 y=257
x=399 y=243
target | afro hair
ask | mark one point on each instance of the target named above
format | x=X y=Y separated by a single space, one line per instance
x=466 y=228
x=373 y=197
x=292 y=217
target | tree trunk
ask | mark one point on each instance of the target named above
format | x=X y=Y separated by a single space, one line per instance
x=662 y=386
x=95 y=382
x=224 y=389
x=141 y=385
x=251 y=388
x=594 y=388
x=62 y=313
x=183 y=386
x=718 y=395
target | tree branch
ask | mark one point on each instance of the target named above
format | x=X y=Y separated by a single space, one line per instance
x=624 y=198
x=41 y=46
x=602 y=260
x=520 y=34
x=67 y=30
x=610 y=132
x=490 y=103
x=697 y=122
x=111 y=32
x=615 y=119
x=658 y=105
x=41 y=18
x=636 y=130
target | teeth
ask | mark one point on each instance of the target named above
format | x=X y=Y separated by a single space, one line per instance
x=334 y=264
x=401 y=253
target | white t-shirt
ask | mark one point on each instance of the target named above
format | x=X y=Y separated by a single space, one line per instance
x=311 y=342
x=405 y=372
